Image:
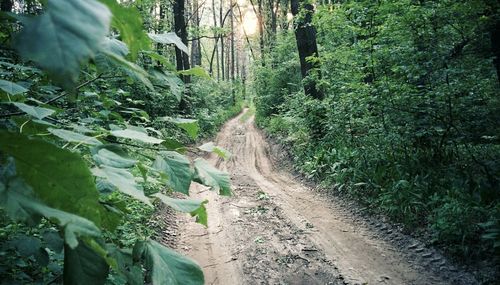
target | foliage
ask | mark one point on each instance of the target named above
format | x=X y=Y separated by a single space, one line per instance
x=91 y=137
x=409 y=125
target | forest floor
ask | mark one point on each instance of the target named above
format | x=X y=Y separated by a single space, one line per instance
x=277 y=230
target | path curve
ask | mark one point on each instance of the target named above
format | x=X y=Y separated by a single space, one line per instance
x=274 y=230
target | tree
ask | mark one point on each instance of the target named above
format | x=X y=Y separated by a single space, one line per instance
x=305 y=35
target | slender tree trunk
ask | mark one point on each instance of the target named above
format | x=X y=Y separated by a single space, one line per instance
x=221 y=21
x=273 y=10
x=216 y=48
x=195 y=44
x=181 y=58
x=260 y=18
x=305 y=35
x=232 y=40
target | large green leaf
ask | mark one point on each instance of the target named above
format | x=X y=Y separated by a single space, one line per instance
x=123 y=180
x=133 y=70
x=169 y=38
x=177 y=169
x=169 y=267
x=172 y=81
x=58 y=177
x=128 y=21
x=11 y=87
x=19 y=204
x=194 y=207
x=189 y=125
x=116 y=47
x=211 y=147
x=66 y=34
x=210 y=176
x=37 y=112
x=74 y=137
x=112 y=155
x=195 y=71
x=82 y=265
x=135 y=135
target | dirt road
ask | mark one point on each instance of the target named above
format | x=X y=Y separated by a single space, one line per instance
x=274 y=230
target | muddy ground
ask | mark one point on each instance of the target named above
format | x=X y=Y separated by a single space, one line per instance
x=276 y=230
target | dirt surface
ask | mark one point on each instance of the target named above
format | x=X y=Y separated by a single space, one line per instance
x=276 y=230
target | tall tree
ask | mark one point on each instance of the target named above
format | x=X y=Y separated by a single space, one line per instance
x=196 y=44
x=305 y=35
x=181 y=58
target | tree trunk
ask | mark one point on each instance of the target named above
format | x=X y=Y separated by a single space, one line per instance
x=216 y=48
x=261 y=33
x=195 y=44
x=181 y=58
x=305 y=35
x=221 y=21
x=232 y=40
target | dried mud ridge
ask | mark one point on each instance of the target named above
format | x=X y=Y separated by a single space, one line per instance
x=275 y=230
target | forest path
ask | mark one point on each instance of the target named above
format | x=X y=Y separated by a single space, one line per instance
x=274 y=230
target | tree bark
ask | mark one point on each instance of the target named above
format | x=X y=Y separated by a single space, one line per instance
x=181 y=58
x=305 y=36
x=195 y=44
x=221 y=21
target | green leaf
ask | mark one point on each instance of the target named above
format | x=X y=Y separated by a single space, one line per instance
x=211 y=147
x=53 y=240
x=189 y=125
x=194 y=207
x=82 y=265
x=195 y=71
x=37 y=112
x=74 y=226
x=19 y=204
x=169 y=38
x=11 y=87
x=132 y=69
x=66 y=34
x=128 y=21
x=177 y=169
x=210 y=176
x=172 y=144
x=172 y=81
x=125 y=265
x=135 y=135
x=169 y=267
x=26 y=245
x=160 y=58
x=74 y=137
x=116 y=47
x=112 y=155
x=58 y=177
x=123 y=180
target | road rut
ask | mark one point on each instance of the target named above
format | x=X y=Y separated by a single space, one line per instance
x=275 y=230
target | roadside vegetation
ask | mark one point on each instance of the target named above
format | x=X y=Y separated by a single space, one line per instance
x=409 y=121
